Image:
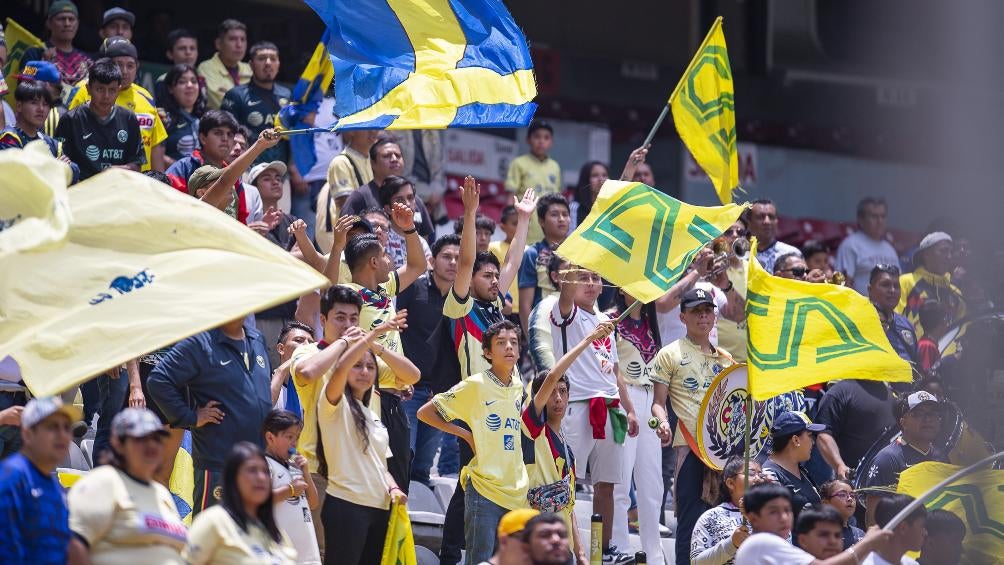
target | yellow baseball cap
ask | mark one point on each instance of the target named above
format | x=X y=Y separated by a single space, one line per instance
x=515 y=520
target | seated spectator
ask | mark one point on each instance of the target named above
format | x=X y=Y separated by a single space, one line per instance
x=33 y=102
x=117 y=22
x=34 y=526
x=945 y=534
x=721 y=530
x=934 y=321
x=818 y=531
x=183 y=105
x=931 y=280
x=182 y=49
x=46 y=74
x=511 y=548
x=884 y=293
x=817 y=257
x=119 y=512
x=860 y=251
x=908 y=535
x=242 y=527
x=546 y=539
x=791 y=436
x=62 y=22
x=840 y=495
x=293 y=493
x=217 y=186
x=226 y=68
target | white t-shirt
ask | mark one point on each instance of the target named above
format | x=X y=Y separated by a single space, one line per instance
x=256 y=210
x=326 y=145
x=858 y=254
x=876 y=559
x=593 y=371
x=672 y=329
x=770 y=549
x=293 y=515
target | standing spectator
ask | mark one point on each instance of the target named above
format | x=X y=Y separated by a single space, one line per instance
x=507 y=223
x=221 y=187
x=683 y=371
x=919 y=416
x=182 y=49
x=62 y=23
x=884 y=292
x=293 y=494
x=721 y=530
x=226 y=68
x=32 y=504
x=46 y=74
x=854 y=412
x=535 y=170
x=600 y=412
x=98 y=134
x=257 y=103
x=945 y=534
x=117 y=22
x=485 y=230
x=422 y=152
x=224 y=373
x=349 y=169
x=818 y=531
x=284 y=395
x=534 y=278
x=398 y=190
x=934 y=321
x=840 y=496
x=907 y=536
x=790 y=447
x=427 y=343
x=119 y=511
x=489 y=404
x=183 y=105
x=761 y=219
x=931 y=280
x=133 y=97
x=357 y=447
x=592 y=175
x=32 y=104
x=242 y=527
x=644 y=175
x=386 y=160
x=862 y=250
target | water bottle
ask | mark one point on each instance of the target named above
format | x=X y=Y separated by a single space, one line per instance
x=596 y=540
x=294 y=471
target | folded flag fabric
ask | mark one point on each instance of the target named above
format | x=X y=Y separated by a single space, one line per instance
x=641 y=239
x=427 y=64
x=802 y=333
x=399 y=545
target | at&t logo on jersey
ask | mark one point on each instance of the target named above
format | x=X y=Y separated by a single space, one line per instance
x=92 y=152
x=493 y=422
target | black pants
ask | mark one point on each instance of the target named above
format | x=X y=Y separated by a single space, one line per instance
x=689 y=506
x=208 y=489
x=453 y=525
x=399 y=432
x=353 y=534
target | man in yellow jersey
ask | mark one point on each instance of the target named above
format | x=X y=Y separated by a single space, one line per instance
x=133 y=97
x=490 y=404
x=349 y=170
x=226 y=68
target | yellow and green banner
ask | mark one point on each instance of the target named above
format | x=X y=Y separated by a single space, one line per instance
x=703 y=105
x=18 y=40
x=641 y=239
x=802 y=333
x=399 y=545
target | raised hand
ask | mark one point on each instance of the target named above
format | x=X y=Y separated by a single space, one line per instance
x=603 y=329
x=297 y=228
x=402 y=216
x=269 y=138
x=271 y=218
x=528 y=205
x=470 y=194
x=341 y=230
x=398 y=322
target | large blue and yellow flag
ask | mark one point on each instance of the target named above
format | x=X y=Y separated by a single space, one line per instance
x=802 y=333
x=703 y=105
x=426 y=64
x=313 y=83
x=641 y=239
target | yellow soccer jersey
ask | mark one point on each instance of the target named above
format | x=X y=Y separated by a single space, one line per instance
x=140 y=102
x=378 y=307
x=215 y=538
x=688 y=373
x=527 y=171
x=499 y=249
x=492 y=410
x=469 y=319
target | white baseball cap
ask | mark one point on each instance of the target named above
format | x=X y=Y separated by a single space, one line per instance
x=262 y=167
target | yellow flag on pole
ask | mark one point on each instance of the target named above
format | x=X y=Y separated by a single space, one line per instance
x=977 y=499
x=641 y=239
x=138 y=266
x=703 y=105
x=18 y=41
x=802 y=333
x=399 y=545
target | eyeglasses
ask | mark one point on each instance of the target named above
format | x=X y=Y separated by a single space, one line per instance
x=842 y=495
x=733 y=232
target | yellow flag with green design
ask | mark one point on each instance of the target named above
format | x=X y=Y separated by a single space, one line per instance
x=641 y=239
x=801 y=334
x=703 y=105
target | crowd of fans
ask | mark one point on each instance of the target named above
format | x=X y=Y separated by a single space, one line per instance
x=495 y=363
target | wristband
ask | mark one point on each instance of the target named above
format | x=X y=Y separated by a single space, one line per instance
x=394 y=488
x=292 y=491
x=730 y=287
x=411 y=231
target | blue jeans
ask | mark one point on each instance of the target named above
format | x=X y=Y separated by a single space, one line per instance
x=424 y=438
x=449 y=455
x=481 y=520
x=112 y=395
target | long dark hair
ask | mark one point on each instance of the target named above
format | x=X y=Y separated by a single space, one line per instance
x=583 y=194
x=358 y=417
x=648 y=315
x=242 y=452
x=733 y=467
x=171 y=78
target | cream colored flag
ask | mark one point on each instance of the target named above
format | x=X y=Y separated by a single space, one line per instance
x=139 y=267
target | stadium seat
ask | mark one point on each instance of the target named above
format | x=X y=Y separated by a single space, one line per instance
x=422 y=499
x=87 y=446
x=443 y=487
x=426 y=556
x=76 y=459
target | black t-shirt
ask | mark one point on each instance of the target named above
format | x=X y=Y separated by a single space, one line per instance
x=803 y=490
x=182 y=134
x=95 y=145
x=280 y=236
x=895 y=458
x=427 y=341
x=856 y=413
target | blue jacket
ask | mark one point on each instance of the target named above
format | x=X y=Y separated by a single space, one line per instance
x=210 y=366
x=13 y=137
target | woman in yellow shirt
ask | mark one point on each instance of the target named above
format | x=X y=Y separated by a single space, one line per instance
x=240 y=529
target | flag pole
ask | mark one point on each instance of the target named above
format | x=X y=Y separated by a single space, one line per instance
x=627 y=311
x=749 y=434
x=919 y=501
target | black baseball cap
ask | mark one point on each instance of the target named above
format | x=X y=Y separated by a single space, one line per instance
x=694 y=298
x=790 y=423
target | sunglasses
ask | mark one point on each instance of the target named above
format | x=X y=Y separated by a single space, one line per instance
x=797 y=271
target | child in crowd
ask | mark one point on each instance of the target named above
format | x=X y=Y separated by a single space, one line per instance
x=485 y=230
x=507 y=224
x=934 y=320
x=293 y=496
x=535 y=169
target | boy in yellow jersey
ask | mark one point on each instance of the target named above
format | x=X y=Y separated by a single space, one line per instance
x=508 y=223
x=550 y=463
x=490 y=404
x=535 y=169
x=134 y=97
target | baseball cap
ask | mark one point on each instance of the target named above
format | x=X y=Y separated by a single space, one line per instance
x=42 y=71
x=932 y=239
x=116 y=13
x=41 y=408
x=61 y=6
x=118 y=46
x=262 y=167
x=515 y=520
x=789 y=423
x=920 y=397
x=137 y=422
x=694 y=298
x=203 y=177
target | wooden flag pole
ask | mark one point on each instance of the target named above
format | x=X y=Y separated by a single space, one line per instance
x=749 y=435
x=627 y=311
